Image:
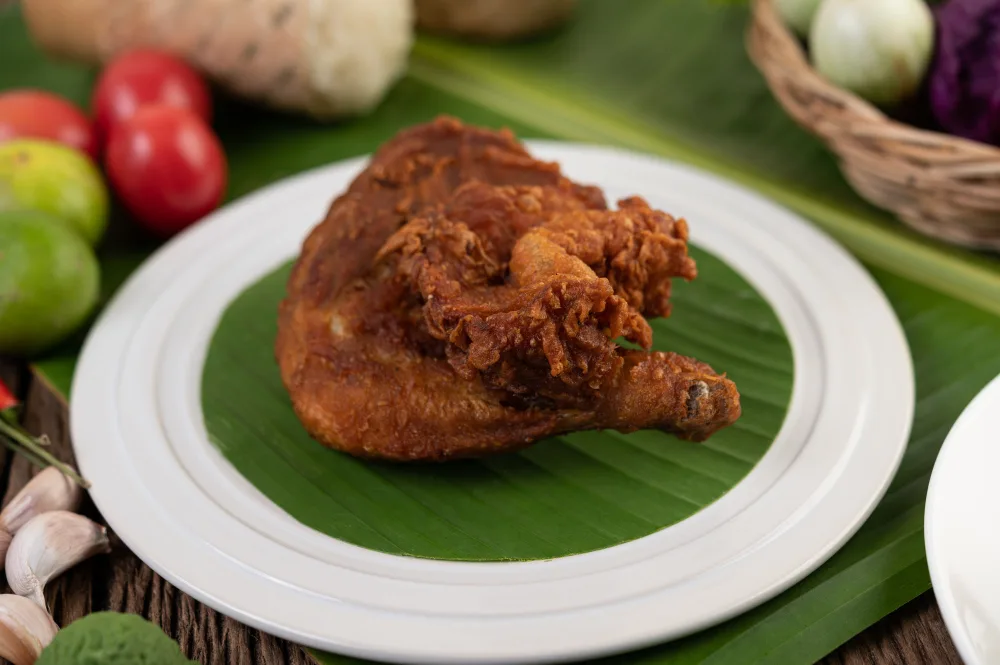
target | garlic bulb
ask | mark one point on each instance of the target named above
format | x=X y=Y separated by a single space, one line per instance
x=49 y=490
x=797 y=14
x=878 y=49
x=25 y=629
x=46 y=546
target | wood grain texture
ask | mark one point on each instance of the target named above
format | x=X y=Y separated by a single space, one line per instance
x=914 y=635
x=120 y=581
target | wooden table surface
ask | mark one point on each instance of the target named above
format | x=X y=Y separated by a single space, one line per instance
x=914 y=635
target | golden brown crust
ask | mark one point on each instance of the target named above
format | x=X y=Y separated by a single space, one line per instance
x=379 y=342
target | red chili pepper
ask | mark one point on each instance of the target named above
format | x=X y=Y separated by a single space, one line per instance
x=7 y=399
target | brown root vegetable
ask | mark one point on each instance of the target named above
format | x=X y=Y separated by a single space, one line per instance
x=327 y=59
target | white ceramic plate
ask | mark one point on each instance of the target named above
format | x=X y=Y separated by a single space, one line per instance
x=141 y=440
x=962 y=529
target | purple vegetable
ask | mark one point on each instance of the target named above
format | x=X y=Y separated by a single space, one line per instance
x=964 y=81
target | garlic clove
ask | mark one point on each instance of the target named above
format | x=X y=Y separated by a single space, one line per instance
x=25 y=629
x=47 y=491
x=48 y=545
x=5 y=538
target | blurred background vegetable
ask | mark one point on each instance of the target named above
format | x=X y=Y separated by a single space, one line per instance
x=146 y=78
x=166 y=164
x=167 y=167
x=878 y=49
x=939 y=67
x=47 y=176
x=932 y=69
x=965 y=77
x=49 y=281
x=326 y=59
x=42 y=115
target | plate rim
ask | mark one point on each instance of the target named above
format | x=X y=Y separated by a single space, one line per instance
x=952 y=446
x=794 y=577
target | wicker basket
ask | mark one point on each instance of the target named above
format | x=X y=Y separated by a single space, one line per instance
x=943 y=186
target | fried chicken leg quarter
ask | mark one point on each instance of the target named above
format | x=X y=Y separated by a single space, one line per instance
x=462 y=298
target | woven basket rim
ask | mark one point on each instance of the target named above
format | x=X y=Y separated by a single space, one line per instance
x=766 y=14
x=942 y=185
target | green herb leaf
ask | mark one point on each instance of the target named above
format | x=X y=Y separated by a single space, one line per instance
x=111 y=638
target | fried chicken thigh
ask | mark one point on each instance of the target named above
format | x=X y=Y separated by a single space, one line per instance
x=462 y=299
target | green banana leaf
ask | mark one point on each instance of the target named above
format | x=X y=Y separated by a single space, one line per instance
x=568 y=495
x=668 y=77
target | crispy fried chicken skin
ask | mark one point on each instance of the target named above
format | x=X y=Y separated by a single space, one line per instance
x=462 y=298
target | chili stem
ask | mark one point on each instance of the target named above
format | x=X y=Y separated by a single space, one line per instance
x=9 y=414
x=30 y=444
x=24 y=452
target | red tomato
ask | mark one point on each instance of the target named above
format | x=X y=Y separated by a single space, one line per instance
x=42 y=115
x=141 y=78
x=167 y=167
